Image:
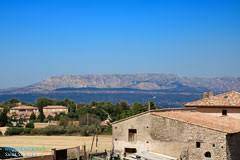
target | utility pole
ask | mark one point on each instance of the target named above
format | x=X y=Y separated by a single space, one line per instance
x=149 y=105
x=87 y=119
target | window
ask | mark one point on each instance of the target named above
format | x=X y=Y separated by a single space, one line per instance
x=130 y=150
x=198 y=145
x=208 y=155
x=132 y=135
x=224 y=112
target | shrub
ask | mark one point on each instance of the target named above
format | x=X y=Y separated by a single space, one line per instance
x=30 y=125
x=1 y=134
x=63 y=121
x=106 y=130
x=54 y=130
x=73 y=130
x=17 y=131
x=88 y=130
x=14 y=131
x=27 y=131
x=50 y=130
x=50 y=118
x=37 y=131
x=9 y=124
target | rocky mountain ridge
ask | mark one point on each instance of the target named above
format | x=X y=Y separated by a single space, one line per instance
x=132 y=81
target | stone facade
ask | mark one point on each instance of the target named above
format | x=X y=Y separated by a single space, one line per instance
x=175 y=138
x=54 y=110
x=23 y=111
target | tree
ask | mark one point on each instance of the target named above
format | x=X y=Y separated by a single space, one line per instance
x=20 y=122
x=123 y=105
x=42 y=102
x=138 y=108
x=71 y=105
x=33 y=117
x=50 y=118
x=89 y=119
x=13 y=101
x=63 y=120
x=73 y=115
x=58 y=116
x=3 y=118
x=152 y=105
x=41 y=116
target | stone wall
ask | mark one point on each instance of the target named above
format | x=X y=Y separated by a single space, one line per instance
x=44 y=125
x=120 y=134
x=174 y=138
x=170 y=137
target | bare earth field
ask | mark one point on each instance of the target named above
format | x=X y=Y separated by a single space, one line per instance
x=42 y=145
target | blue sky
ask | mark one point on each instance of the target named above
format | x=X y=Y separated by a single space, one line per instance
x=42 y=38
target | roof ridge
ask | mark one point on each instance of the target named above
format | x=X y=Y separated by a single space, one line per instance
x=228 y=92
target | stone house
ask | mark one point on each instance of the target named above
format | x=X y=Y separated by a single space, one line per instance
x=178 y=134
x=54 y=110
x=223 y=104
x=23 y=111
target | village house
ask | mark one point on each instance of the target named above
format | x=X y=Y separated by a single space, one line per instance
x=23 y=111
x=178 y=134
x=220 y=105
x=54 y=110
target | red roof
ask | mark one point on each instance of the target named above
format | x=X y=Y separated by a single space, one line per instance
x=219 y=123
x=24 y=107
x=228 y=99
x=55 y=107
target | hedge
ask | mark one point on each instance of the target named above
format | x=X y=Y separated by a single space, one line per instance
x=17 y=131
x=57 y=130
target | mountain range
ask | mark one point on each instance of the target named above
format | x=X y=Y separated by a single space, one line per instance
x=133 y=84
x=132 y=81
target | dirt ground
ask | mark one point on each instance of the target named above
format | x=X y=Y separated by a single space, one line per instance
x=42 y=145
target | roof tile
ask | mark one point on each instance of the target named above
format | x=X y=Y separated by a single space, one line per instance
x=220 y=123
x=228 y=99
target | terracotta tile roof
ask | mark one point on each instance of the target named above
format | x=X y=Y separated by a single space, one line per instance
x=219 y=123
x=55 y=107
x=229 y=99
x=24 y=107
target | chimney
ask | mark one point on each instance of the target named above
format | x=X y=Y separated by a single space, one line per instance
x=207 y=94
